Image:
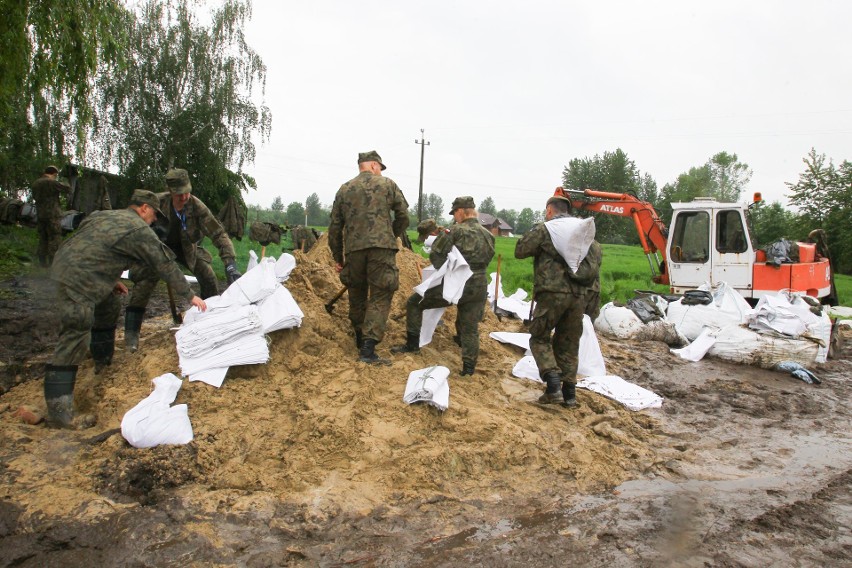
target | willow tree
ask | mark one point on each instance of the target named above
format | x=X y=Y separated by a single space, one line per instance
x=187 y=99
x=50 y=51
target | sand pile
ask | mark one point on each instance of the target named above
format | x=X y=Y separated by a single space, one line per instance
x=317 y=426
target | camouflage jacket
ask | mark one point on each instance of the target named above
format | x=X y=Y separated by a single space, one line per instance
x=90 y=262
x=475 y=243
x=46 y=193
x=200 y=223
x=552 y=273
x=369 y=211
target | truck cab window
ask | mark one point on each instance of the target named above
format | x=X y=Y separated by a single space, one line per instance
x=691 y=240
x=730 y=233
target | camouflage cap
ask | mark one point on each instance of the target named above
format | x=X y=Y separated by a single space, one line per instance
x=145 y=197
x=559 y=199
x=465 y=202
x=177 y=180
x=51 y=170
x=371 y=156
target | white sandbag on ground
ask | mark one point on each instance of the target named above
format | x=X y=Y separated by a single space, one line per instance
x=739 y=344
x=630 y=395
x=621 y=322
x=728 y=307
x=430 y=386
x=153 y=421
x=696 y=350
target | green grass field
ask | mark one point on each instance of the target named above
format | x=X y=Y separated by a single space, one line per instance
x=624 y=269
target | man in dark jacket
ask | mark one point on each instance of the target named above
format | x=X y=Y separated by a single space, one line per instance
x=368 y=215
x=476 y=245
x=561 y=300
x=185 y=223
x=87 y=269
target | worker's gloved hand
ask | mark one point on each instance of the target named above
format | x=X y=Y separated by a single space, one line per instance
x=231 y=272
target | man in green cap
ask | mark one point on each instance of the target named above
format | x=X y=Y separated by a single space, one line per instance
x=561 y=296
x=476 y=245
x=46 y=192
x=185 y=223
x=87 y=269
x=368 y=215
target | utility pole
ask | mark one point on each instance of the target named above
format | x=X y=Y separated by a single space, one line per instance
x=423 y=145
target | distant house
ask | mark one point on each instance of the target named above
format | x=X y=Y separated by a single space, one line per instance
x=497 y=226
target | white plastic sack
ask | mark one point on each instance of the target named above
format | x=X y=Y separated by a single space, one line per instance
x=590 y=360
x=630 y=395
x=454 y=273
x=153 y=422
x=430 y=386
x=696 y=350
x=572 y=238
x=618 y=321
x=739 y=344
x=727 y=308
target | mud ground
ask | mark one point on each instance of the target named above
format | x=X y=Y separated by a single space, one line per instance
x=313 y=459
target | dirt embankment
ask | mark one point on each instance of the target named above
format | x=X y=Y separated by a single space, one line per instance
x=315 y=459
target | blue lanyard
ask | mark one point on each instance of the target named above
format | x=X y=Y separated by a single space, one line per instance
x=181 y=215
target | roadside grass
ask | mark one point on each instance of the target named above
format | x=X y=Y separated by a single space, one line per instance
x=18 y=246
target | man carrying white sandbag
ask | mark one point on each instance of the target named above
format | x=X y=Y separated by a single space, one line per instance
x=567 y=263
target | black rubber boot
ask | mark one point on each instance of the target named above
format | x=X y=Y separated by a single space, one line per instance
x=367 y=354
x=132 y=326
x=468 y=368
x=102 y=346
x=59 y=395
x=569 y=396
x=359 y=339
x=551 y=394
x=412 y=344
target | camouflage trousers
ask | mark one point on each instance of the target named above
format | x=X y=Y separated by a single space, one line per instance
x=76 y=324
x=471 y=308
x=145 y=279
x=562 y=313
x=372 y=278
x=49 y=238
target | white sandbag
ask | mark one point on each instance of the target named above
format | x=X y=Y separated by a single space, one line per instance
x=572 y=237
x=252 y=261
x=153 y=422
x=284 y=266
x=739 y=344
x=590 y=360
x=454 y=273
x=696 y=350
x=630 y=395
x=618 y=321
x=430 y=386
x=727 y=308
x=429 y=322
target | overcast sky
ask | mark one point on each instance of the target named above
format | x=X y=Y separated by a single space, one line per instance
x=509 y=92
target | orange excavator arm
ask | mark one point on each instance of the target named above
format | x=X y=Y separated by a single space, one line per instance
x=653 y=233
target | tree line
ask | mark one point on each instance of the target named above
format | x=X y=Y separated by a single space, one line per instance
x=134 y=89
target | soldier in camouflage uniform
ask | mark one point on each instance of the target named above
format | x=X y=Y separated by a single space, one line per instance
x=561 y=299
x=476 y=245
x=303 y=238
x=87 y=269
x=46 y=191
x=368 y=215
x=427 y=228
x=185 y=224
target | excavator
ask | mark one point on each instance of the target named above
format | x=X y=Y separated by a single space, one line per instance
x=710 y=242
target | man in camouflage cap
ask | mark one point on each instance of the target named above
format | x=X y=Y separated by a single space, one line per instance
x=185 y=223
x=46 y=191
x=368 y=215
x=87 y=269
x=476 y=245
x=303 y=238
x=561 y=297
x=426 y=228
